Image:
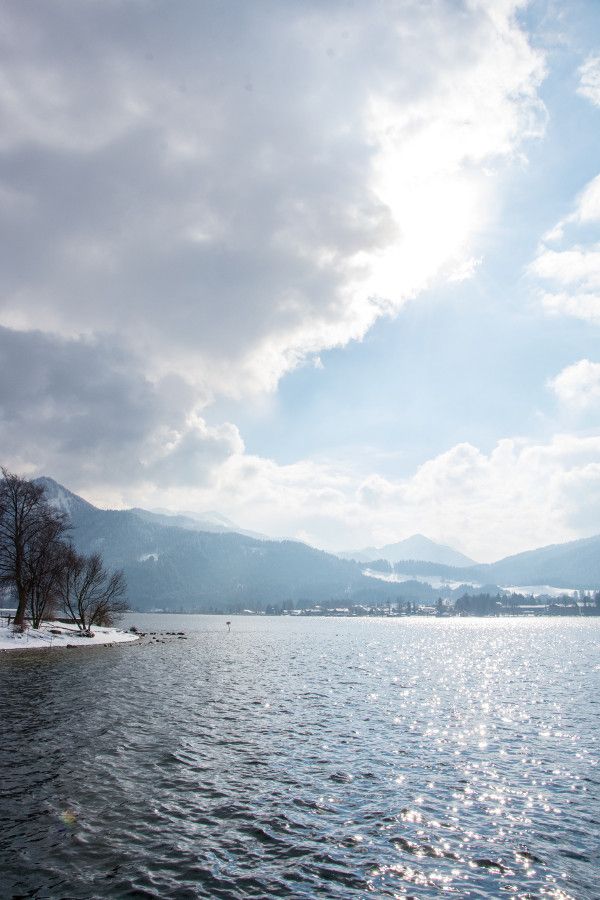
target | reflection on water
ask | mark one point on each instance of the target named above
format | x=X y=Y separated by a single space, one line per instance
x=300 y=758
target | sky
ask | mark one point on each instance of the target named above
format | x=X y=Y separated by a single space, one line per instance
x=329 y=268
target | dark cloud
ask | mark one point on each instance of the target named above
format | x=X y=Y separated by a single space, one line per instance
x=163 y=197
x=200 y=174
x=82 y=410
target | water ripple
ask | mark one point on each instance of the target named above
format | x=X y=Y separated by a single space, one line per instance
x=304 y=758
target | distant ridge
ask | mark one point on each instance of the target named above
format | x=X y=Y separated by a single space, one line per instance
x=61 y=497
x=209 y=521
x=416 y=547
x=574 y=564
x=64 y=499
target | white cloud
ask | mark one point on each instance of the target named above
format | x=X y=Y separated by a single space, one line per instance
x=578 y=385
x=193 y=454
x=521 y=495
x=579 y=305
x=578 y=266
x=588 y=203
x=589 y=80
x=570 y=276
x=586 y=211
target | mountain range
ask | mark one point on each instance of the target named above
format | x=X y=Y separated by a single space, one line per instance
x=171 y=562
x=575 y=564
x=168 y=566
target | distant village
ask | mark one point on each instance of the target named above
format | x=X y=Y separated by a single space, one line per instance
x=584 y=604
x=579 y=603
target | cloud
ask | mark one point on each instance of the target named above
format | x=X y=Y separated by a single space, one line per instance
x=586 y=211
x=522 y=494
x=577 y=265
x=588 y=204
x=570 y=275
x=584 y=306
x=577 y=387
x=83 y=410
x=233 y=188
x=194 y=453
x=589 y=80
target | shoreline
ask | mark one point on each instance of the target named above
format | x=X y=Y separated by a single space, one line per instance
x=53 y=636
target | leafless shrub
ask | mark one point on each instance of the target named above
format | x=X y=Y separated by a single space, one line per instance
x=90 y=594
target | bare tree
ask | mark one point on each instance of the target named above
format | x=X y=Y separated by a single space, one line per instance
x=90 y=594
x=45 y=564
x=25 y=516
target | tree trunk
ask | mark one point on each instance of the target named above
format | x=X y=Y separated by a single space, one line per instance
x=19 y=620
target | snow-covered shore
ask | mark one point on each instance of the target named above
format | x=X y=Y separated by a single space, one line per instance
x=54 y=634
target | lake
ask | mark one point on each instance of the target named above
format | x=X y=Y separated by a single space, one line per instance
x=298 y=757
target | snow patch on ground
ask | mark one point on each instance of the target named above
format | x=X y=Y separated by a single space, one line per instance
x=434 y=581
x=541 y=590
x=437 y=582
x=43 y=639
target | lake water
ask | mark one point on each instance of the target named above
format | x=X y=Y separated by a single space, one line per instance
x=336 y=758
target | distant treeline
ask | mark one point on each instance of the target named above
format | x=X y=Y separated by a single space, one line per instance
x=507 y=604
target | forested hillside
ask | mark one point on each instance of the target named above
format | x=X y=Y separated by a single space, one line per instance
x=575 y=564
x=170 y=568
